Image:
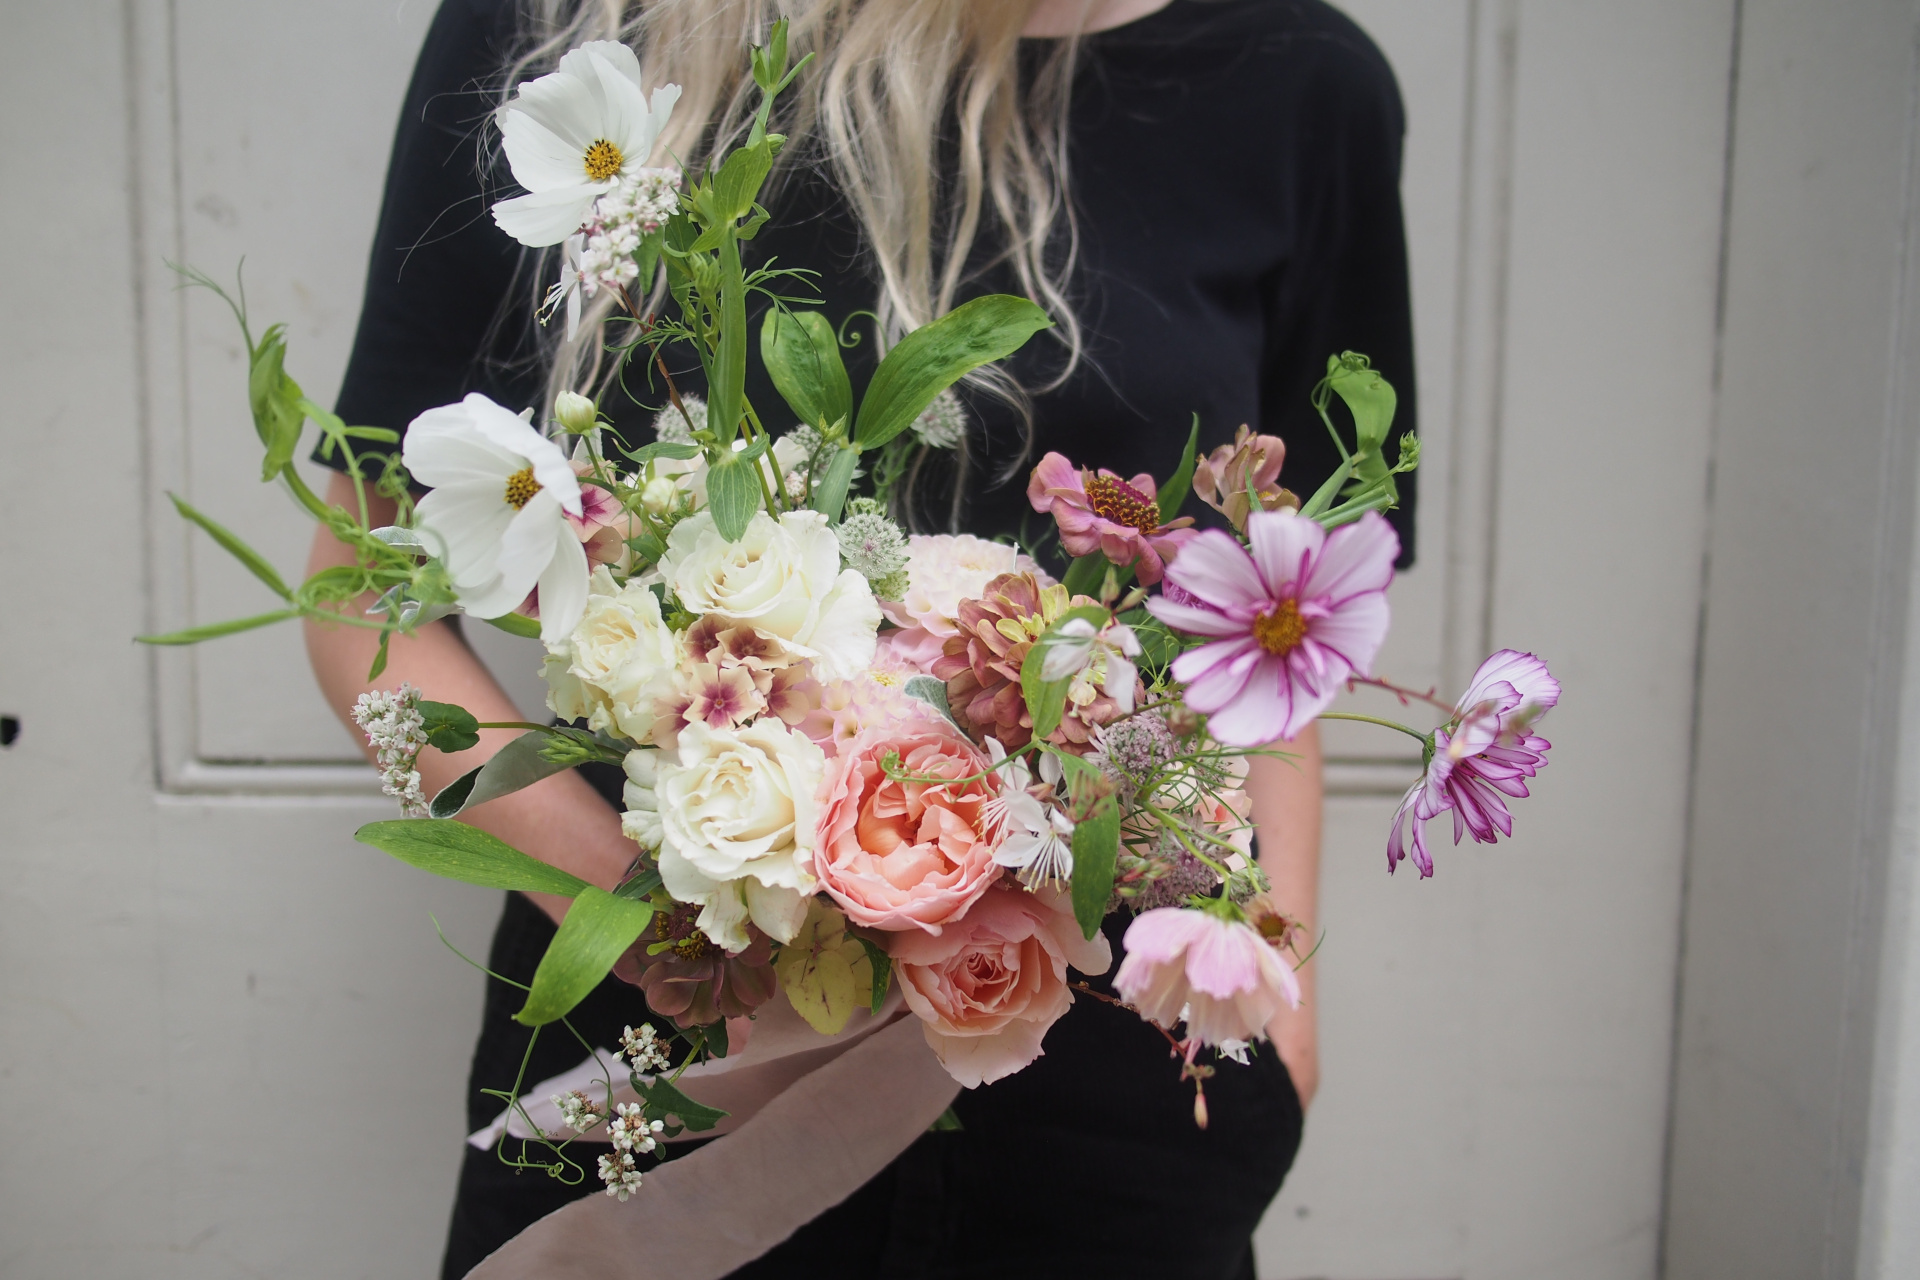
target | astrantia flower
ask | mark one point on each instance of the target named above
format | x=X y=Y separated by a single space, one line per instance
x=1290 y=620
x=1098 y=511
x=497 y=516
x=574 y=134
x=1219 y=976
x=1486 y=752
x=942 y=423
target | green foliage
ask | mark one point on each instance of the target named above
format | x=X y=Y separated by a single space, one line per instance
x=937 y=355
x=1096 y=848
x=516 y=624
x=449 y=728
x=882 y=972
x=520 y=763
x=830 y=487
x=255 y=562
x=1086 y=573
x=663 y=1102
x=214 y=630
x=802 y=354
x=460 y=852
x=1047 y=699
x=733 y=491
x=597 y=929
x=275 y=399
x=1174 y=492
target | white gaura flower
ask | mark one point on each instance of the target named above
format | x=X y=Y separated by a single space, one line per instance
x=1036 y=838
x=783 y=579
x=575 y=134
x=497 y=516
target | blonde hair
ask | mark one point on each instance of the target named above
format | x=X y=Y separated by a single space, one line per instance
x=887 y=76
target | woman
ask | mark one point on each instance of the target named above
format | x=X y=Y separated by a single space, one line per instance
x=1205 y=196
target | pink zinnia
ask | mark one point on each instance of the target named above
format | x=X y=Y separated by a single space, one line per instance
x=1291 y=619
x=1098 y=511
x=1221 y=977
x=1485 y=752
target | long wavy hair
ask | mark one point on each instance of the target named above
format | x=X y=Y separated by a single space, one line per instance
x=917 y=111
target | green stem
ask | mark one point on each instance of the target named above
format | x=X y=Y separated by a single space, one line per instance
x=1385 y=724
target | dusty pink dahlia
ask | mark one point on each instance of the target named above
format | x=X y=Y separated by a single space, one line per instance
x=1219 y=976
x=1290 y=619
x=1098 y=511
x=1484 y=754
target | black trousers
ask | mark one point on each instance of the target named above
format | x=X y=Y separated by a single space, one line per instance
x=1085 y=1164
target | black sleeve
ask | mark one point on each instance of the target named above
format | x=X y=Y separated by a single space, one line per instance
x=447 y=308
x=1346 y=289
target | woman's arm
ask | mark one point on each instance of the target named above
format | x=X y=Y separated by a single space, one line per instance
x=1286 y=812
x=561 y=820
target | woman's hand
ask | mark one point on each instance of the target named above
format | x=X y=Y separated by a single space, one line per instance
x=1286 y=798
x=560 y=820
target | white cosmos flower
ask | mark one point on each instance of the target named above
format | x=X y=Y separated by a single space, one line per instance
x=497 y=516
x=574 y=134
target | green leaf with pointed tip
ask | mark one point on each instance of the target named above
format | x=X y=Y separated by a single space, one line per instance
x=598 y=927
x=275 y=399
x=802 y=354
x=516 y=624
x=1174 y=492
x=460 y=852
x=1096 y=848
x=255 y=562
x=1047 y=699
x=935 y=356
x=214 y=630
x=830 y=487
x=882 y=972
x=733 y=495
x=663 y=1102
x=1369 y=397
x=520 y=763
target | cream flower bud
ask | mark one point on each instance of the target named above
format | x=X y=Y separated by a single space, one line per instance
x=575 y=412
x=660 y=495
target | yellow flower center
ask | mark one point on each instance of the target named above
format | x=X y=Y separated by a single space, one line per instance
x=1278 y=632
x=1116 y=500
x=603 y=160
x=521 y=486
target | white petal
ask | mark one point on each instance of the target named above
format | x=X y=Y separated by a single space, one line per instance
x=442 y=448
x=464 y=527
x=568 y=102
x=620 y=56
x=541 y=159
x=778 y=911
x=563 y=587
x=628 y=123
x=544 y=218
x=724 y=918
x=511 y=432
x=844 y=638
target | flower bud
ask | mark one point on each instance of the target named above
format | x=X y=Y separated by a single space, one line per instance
x=575 y=412
x=659 y=496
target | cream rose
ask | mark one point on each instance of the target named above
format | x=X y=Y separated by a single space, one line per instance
x=783 y=579
x=737 y=819
x=617 y=664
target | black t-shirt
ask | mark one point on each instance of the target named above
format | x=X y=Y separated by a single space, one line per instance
x=1235 y=177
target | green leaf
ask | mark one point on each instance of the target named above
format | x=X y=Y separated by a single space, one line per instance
x=830 y=488
x=460 y=852
x=1096 y=847
x=640 y=887
x=213 y=630
x=1369 y=398
x=1174 y=492
x=935 y=356
x=737 y=185
x=516 y=624
x=275 y=399
x=727 y=373
x=449 y=728
x=520 y=763
x=597 y=929
x=802 y=354
x=947 y=1121
x=661 y=449
x=1046 y=699
x=1086 y=573
x=733 y=495
x=246 y=555
x=663 y=1101
x=882 y=972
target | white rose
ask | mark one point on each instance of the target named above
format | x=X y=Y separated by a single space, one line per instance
x=641 y=821
x=618 y=662
x=737 y=818
x=944 y=569
x=783 y=579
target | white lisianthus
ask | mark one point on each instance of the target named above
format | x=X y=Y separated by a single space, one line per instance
x=783 y=579
x=618 y=662
x=737 y=815
x=573 y=135
x=497 y=516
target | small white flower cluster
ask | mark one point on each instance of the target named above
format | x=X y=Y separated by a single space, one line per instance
x=631 y=210
x=875 y=548
x=620 y=1174
x=579 y=1112
x=643 y=1051
x=942 y=423
x=670 y=427
x=632 y=1131
x=395 y=730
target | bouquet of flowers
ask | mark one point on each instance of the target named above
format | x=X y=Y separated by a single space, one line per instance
x=864 y=770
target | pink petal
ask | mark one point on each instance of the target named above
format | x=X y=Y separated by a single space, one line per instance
x=1218 y=570
x=1261 y=711
x=1357 y=557
x=1355 y=631
x=1199 y=622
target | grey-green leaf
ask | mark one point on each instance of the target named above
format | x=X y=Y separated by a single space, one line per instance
x=933 y=691
x=733 y=495
x=830 y=487
x=460 y=852
x=935 y=356
x=596 y=930
x=802 y=354
x=255 y=562
x=520 y=763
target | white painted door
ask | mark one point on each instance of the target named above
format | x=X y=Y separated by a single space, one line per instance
x=232 y=1045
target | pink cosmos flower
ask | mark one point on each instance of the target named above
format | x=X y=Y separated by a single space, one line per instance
x=1221 y=977
x=1098 y=511
x=1291 y=619
x=989 y=985
x=1487 y=751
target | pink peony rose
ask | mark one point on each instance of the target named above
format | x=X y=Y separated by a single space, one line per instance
x=902 y=854
x=1098 y=511
x=988 y=987
x=1223 y=974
